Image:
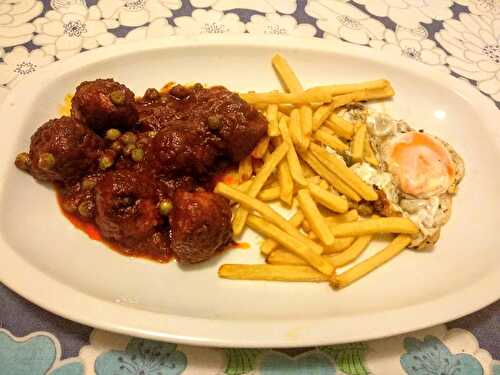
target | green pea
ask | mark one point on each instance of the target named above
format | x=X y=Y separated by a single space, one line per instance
x=137 y=154
x=86 y=209
x=213 y=122
x=116 y=146
x=23 y=161
x=105 y=162
x=88 y=184
x=46 y=161
x=165 y=207
x=113 y=134
x=117 y=97
x=127 y=150
x=128 y=138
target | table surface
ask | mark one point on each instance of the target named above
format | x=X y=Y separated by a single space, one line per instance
x=460 y=37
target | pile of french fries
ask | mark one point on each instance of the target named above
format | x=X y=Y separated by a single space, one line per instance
x=294 y=165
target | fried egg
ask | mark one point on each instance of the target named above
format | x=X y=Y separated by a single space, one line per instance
x=418 y=173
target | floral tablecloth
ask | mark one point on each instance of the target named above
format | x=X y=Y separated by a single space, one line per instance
x=460 y=37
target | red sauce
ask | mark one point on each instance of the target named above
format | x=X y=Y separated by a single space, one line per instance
x=91 y=230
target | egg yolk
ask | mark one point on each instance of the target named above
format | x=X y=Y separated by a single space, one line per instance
x=422 y=165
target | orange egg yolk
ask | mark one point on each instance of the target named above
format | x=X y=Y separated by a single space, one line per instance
x=422 y=165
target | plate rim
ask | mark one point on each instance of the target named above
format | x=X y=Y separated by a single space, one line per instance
x=122 y=318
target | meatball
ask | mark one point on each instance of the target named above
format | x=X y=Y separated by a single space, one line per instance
x=63 y=150
x=238 y=124
x=103 y=104
x=200 y=225
x=185 y=148
x=126 y=205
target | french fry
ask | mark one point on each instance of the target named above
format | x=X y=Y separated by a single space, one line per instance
x=260 y=150
x=267 y=212
x=326 y=198
x=321 y=115
x=358 y=143
x=286 y=74
x=348 y=217
x=375 y=225
x=270 y=194
x=244 y=186
x=307 y=227
x=286 y=182
x=362 y=95
x=269 y=245
x=245 y=169
x=292 y=158
x=330 y=140
x=324 y=185
x=341 y=127
x=306 y=126
x=397 y=245
x=258 y=182
x=268 y=272
x=314 y=217
x=341 y=89
x=339 y=245
x=281 y=256
x=369 y=155
x=352 y=252
x=304 y=97
x=332 y=179
x=287 y=241
x=295 y=129
x=272 y=119
x=343 y=172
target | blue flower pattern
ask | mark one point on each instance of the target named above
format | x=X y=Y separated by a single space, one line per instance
x=33 y=356
x=142 y=357
x=431 y=357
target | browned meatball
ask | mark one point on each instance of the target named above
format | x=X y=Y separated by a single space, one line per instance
x=63 y=150
x=126 y=205
x=238 y=124
x=103 y=104
x=200 y=224
x=185 y=148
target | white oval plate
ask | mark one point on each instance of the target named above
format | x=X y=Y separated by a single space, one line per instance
x=57 y=267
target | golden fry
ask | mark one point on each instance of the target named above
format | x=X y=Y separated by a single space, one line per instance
x=292 y=158
x=245 y=169
x=362 y=95
x=369 y=155
x=328 y=199
x=281 y=256
x=341 y=127
x=270 y=272
x=375 y=225
x=341 y=89
x=286 y=182
x=359 y=270
x=332 y=178
x=299 y=98
x=339 y=245
x=244 y=186
x=258 y=182
x=351 y=253
x=306 y=126
x=295 y=129
x=321 y=115
x=342 y=171
x=270 y=194
x=269 y=245
x=272 y=119
x=286 y=74
x=330 y=140
x=348 y=217
x=314 y=217
x=260 y=150
x=287 y=241
x=358 y=143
